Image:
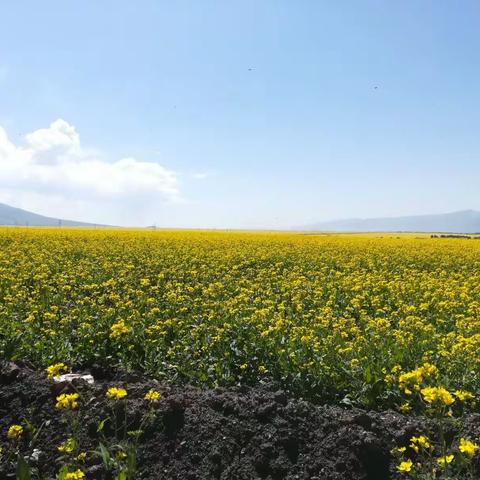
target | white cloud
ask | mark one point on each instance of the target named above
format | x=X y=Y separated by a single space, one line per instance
x=59 y=134
x=203 y=175
x=53 y=171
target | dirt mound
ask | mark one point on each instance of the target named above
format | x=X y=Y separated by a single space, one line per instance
x=237 y=433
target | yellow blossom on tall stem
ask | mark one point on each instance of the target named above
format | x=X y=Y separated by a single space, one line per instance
x=67 y=401
x=152 y=396
x=420 y=442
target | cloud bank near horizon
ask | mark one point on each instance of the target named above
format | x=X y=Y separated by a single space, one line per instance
x=53 y=174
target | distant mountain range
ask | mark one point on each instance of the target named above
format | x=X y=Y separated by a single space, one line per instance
x=16 y=216
x=466 y=221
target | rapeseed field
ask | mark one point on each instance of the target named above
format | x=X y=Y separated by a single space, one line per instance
x=373 y=320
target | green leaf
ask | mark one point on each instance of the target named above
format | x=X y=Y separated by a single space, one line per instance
x=30 y=426
x=122 y=476
x=23 y=470
x=102 y=424
x=62 y=474
x=131 y=462
x=105 y=456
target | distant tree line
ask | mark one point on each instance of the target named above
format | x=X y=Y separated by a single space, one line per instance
x=467 y=237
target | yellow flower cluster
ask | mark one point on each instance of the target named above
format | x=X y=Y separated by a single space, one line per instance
x=75 y=475
x=464 y=396
x=405 y=466
x=56 y=369
x=116 y=393
x=68 y=446
x=427 y=451
x=468 y=447
x=420 y=442
x=152 y=396
x=438 y=395
x=14 y=432
x=444 y=461
x=67 y=401
x=414 y=379
x=118 y=329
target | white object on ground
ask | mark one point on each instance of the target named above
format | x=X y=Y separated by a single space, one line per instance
x=68 y=377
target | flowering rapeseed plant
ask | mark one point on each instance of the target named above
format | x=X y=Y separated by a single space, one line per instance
x=67 y=401
x=420 y=442
x=152 y=396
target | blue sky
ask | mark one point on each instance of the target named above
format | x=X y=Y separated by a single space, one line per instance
x=239 y=114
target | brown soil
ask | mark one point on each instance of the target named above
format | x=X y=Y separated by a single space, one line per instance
x=237 y=433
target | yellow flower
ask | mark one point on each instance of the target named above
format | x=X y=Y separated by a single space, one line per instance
x=443 y=461
x=68 y=446
x=463 y=395
x=15 y=431
x=81 y=457
x=243 y=366
x=116 y=393
x=405 y=466
x=76 y=475
x=152 y=396
x=55 y=370
x=67 y=401
x=423 y=441
x=118 y=329
x=468 y=447
x=416 y=377
x=121 y=455
x=437 y=395
x=405 y=408
x=420 y=442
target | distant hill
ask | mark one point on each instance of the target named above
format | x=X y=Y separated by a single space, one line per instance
x=467 y=221
x=16 y=216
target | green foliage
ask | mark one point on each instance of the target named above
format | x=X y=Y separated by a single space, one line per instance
x=23 y=470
